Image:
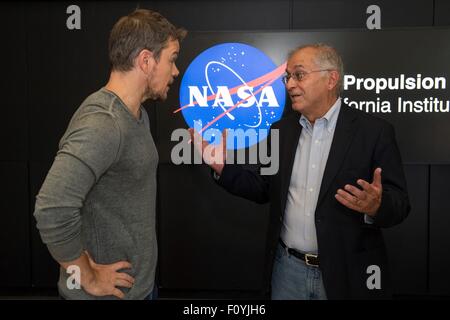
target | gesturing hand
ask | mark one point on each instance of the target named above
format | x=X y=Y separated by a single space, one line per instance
x=213 y=155
x=367 y=200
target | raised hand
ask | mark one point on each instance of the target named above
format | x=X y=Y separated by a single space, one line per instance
x=213 y=155
x=367 y=200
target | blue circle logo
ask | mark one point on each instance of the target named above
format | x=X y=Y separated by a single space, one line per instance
x=232 y=86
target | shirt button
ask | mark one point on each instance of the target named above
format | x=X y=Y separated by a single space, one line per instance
x=317 y=141
x=313 y=166
x=311 y=189
x=307 y=214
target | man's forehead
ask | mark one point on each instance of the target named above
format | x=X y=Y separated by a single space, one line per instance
x=297 y=66
x=301 y=65
x=302 y=59
x=172 y=45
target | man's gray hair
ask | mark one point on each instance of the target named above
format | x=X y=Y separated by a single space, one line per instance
x=327 y=57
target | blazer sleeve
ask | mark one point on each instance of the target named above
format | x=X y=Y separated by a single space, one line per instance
x=245 y=183
x=395 y=204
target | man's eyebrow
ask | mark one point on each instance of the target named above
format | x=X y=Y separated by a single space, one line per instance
x=297 y=66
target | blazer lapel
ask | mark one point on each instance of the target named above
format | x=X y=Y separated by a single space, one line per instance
x=289 y=147
x=343 y=134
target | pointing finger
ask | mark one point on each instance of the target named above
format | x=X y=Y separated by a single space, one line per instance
x=224 y=142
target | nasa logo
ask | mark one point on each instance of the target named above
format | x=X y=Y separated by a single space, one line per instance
x=232 y=86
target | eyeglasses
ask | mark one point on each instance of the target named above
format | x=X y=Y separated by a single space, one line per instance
x=299 y=75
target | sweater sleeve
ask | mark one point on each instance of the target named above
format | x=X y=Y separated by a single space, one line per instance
x=89 y=147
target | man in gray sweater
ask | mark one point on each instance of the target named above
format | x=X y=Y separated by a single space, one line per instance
x=96 y=208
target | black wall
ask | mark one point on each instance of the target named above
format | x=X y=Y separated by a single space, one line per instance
x=210 y=246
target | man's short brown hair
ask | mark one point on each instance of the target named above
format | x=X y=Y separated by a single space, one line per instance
x=142 y=29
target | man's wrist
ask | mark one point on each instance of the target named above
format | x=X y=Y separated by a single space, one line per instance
x=218 y=168
x=87 y=272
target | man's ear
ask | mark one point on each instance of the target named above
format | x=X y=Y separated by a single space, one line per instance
x=145 y=61
x=333 y=79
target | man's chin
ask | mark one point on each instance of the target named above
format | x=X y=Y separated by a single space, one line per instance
x=297 y=107
x=162 y=97
x=158 y=97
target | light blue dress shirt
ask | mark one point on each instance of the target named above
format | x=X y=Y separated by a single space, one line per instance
x=299 y=230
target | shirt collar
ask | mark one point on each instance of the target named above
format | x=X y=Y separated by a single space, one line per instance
x=330 y=117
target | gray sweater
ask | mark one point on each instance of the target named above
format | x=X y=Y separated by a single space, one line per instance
x=100 y=193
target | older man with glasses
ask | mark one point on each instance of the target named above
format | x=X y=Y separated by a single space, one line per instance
x=340 y=183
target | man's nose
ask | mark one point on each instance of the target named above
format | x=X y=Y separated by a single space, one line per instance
x=290 y=84
x=175 y=72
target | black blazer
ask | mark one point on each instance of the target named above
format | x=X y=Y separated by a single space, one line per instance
x=347 y=245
